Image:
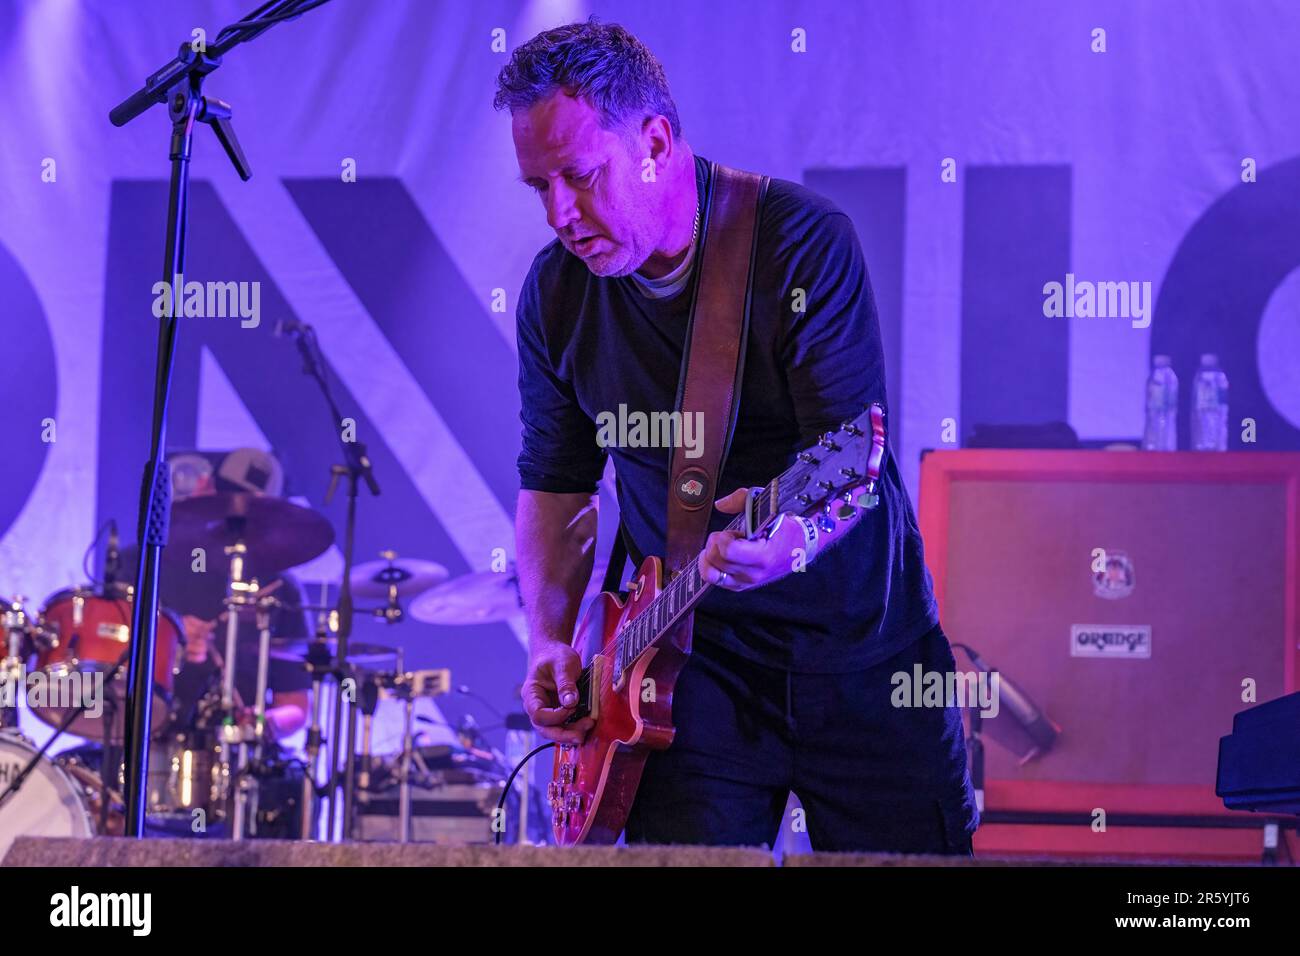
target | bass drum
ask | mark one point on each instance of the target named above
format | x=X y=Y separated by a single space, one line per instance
x=49 y=803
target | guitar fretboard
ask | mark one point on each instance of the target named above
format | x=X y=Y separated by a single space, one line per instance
x=850 y=456
x=681 y=594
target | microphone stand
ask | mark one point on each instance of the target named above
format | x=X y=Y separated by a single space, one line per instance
x=179 y=84
x=357 y=467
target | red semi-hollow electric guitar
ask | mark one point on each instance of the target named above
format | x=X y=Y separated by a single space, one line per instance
x=631 y=660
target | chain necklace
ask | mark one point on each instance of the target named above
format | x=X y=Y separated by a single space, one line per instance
x=695 y=226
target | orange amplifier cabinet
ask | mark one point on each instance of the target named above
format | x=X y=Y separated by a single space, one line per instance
x=1136 y=597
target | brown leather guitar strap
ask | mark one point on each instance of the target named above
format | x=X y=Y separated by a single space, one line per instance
x=713 y=361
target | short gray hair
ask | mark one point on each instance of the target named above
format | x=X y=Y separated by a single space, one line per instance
x=603 y=64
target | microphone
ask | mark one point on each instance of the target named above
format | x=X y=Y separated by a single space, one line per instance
x=470 y=692
x=469 y=732
x=304 y=337
x=113 y=556
x=290 y=327
x=1035 y=723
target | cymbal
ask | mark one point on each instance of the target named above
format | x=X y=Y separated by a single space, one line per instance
x=410 y=576
x=277 y=533
x=295 y=649
x=482 y=598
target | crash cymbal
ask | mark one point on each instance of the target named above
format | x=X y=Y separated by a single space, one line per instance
x=295 y=649
x=482 y=598
x=277 y=533
x=410 y=576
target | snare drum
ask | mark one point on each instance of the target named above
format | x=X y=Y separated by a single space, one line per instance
x=84 y=633
x=49 y=803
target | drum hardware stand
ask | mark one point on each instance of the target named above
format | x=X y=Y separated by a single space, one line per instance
x=342 y=670
x=234 y=737
x=247 y=787
x=392 y=612
x=318 y=665
x=73 y=713
x=369 y=692
x=109 y=760
x=357 y=467
x=11 y=666
x=350 y=777
x=369 y=703
x=179 y=84
x=402 y=691
x=406 y=687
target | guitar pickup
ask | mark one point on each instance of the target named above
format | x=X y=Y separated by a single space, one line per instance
x=588 y=701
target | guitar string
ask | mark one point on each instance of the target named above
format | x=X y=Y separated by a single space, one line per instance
x=634 y=633
x=635 y=629
x=792 y=475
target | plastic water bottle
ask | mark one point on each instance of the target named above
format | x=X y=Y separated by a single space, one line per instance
x=1210 y=407
x=1162 y=407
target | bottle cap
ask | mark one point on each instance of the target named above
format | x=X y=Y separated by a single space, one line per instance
x=1160 y=361
x=1209 y=360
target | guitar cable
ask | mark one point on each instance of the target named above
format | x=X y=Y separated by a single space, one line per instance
x=505 y=791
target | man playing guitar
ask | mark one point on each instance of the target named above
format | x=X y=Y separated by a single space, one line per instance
x=789 y=685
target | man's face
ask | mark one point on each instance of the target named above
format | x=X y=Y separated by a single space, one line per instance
x=590 y=184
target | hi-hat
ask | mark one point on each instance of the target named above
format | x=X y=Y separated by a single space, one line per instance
x=409 y=576
x=295 y=649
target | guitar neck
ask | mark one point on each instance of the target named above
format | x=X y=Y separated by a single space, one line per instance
x=687 y=588
x=847 y=458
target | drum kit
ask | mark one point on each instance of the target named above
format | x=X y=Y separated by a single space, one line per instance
x=222 y=773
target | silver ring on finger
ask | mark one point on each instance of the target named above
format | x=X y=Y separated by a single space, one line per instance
x=722 y=578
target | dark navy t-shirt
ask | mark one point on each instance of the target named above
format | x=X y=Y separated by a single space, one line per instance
x=588 y=344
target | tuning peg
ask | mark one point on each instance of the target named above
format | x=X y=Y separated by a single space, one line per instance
x=847 y=509
x=868 y=500
x=825 y=442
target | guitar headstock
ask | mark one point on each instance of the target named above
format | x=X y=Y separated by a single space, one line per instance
x=844 y=466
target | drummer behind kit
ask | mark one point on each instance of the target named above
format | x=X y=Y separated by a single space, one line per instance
x=215 y=767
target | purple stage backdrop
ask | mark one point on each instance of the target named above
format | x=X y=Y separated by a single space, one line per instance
x=983 y=150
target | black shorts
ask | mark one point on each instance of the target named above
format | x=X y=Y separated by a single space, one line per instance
x=871 y=777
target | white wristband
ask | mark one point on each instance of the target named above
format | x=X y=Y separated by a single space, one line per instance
x=811 y=537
